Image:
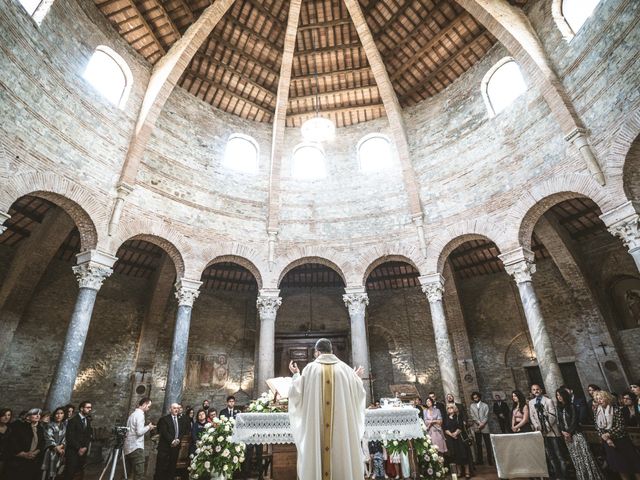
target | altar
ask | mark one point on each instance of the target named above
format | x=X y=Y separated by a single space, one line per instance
x=399 y=423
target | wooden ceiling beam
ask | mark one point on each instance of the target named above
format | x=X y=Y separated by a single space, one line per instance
x=157 y=5
x=242 y=28
x=242 y=54
x=335 y=110
x=348 y=71
x=328 y=24
x=150 y=32
x=139 y=250
x=26 y=212
x=260 y=8
x=332 y=48
x=187 y=10
x=345 y=91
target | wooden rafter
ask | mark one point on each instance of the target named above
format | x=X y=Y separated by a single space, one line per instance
x=157 y=5
x=336 y=110
x=132 y=6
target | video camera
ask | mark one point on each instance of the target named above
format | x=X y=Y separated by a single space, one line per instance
x=119 y=433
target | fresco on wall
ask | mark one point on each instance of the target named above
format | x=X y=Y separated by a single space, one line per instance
x=207 y=370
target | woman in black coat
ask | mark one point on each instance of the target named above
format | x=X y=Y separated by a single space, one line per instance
x=456 y=436
x=26 y=448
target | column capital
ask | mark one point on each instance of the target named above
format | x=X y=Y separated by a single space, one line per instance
x=92 y=268
x=432 y=286
x=519 y=263
x=123 y=189
x=624 y=223
x=577 y=134
x=268 y=303
x=187 y=291
x=4 y=216
x=355 y=301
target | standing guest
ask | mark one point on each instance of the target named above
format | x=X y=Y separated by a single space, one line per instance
x=519 y=413
x=79 y=436
x=189 y=417
x=378 y=456
x=580 y=404
x=568 y=422
x=26 y=448
x=171 y=430
x=5 y=429
x=213 y=413
x=544 y=419
x=54 y=444
x=417 y=403
x=457 y=445
x=45 y=418
x=501 y=411
x=591 y=404
x=439 y=405
x=462 y=411
x=479 y=417
x=198 y=428
x=622 y=456
x=69 y=410
x=205 y=406
x=134 y=441
x=630 y=409
x=433 y=421
x=230 y=411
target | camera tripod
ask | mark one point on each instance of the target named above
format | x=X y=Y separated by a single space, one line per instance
x=116 y=453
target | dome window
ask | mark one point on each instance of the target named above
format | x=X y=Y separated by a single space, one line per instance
x=241 y=154
x=576 y=12
x=308 y=162
x=38 y=9
x=110 y=75
x=501 y=85
x=374 y=153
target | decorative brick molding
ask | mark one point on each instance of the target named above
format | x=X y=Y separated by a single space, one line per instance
x=243 y=262
x=224 y=251
x=626 y=136
x=373 y=258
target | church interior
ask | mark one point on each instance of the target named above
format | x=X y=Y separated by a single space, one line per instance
x=192 y=192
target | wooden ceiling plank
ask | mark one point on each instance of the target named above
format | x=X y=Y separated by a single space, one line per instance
x=157 y=5
x=143 y=20
x=224 y=44
x=349 y=108
x=324 y=25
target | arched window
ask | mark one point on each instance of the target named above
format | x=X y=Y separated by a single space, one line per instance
x=241 y=153
x=374 y=152
x=110 y=75
x=576 y=12
x=501 y=85
x=37 y=8
x=308 y=162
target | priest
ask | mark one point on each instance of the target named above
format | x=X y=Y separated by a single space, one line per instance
x=326 y=411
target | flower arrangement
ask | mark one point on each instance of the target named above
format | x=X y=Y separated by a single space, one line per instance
x=430 y=462
x=265 y=404
x=216 y=455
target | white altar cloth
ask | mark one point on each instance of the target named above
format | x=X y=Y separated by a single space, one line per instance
x=380 y=424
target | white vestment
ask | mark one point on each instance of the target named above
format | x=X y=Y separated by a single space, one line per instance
x=341 y=433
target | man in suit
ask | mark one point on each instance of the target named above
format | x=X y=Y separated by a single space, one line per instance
x=479 y=417
x=78 y=439
x=579 y=403
x=229 y=411
x=542 y=412
x=502 y=413
x=171 y=429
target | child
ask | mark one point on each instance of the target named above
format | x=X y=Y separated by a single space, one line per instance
x=378 y=454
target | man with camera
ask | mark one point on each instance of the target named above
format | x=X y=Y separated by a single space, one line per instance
x=544 y=419
x=134 y=442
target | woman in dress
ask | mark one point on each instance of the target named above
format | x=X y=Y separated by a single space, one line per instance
x=457 y=447
x=198 y=428
x=630 y=409
x=433 y=421
x=5 y=420
x=622 y=456
x=519 y=413
x=54 y=444
x=568 y=417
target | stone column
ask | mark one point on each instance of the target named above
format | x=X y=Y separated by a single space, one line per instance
x=3 y=218
x=267 y=303
x=186 y=293
x=624 y=223
x=92 y=268
x=433 y=287
x=519 y=264
x=356 y=301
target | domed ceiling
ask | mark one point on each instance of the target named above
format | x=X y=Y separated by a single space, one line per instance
x=425 y=46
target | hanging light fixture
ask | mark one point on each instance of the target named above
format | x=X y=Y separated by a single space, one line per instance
x=317 y=129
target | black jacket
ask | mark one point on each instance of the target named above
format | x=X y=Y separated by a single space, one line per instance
x=167 y=432
x=568 y=418
x=78 y=436
x=225 y=412
x=503 y=409
x=20 y=439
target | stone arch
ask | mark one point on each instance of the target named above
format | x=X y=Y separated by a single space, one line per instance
x=312 y=259
x=169 y=248
x=455 y=235
x=384 y=259
x=77 y=202
x=626 y=136
x=373 y=257
x=561 y=22
x=243 y=262
x=526 y=212
x=512 y=359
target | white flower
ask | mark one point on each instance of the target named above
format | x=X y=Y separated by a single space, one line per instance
x=434 y=456
x=225 y=467
x=395 y=443
x=438 y=475
x=197 y=451
x=218 y=448
x=229 y=438
x=241 y=459
x=259 y=408
x=207 y=464
x=430 y=471
x=226 y=453
x=220 y=438
x=226 y=428
x=235 y=459
x=238 y=448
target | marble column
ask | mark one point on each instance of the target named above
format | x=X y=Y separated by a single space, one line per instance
x=624 y=223
x=433 y=287
x=3 y=218
x=92 y=268
x=356 y=301
x=267 y=303
x=519 y=264
x=186 y=293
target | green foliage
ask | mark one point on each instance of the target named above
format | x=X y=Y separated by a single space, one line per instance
x=215 y=453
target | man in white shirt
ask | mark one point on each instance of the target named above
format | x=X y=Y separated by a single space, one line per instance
x=479 y=416
x=134 y=442
x=542 y=413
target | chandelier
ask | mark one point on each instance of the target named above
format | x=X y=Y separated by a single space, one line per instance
x=317 y=129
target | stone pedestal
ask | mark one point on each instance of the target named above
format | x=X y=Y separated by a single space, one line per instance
x=356 y=301
x=519 y=264
x=186 y=293
x=624 y=223
x=92 y=269
x=433 y=287
x=267 y=303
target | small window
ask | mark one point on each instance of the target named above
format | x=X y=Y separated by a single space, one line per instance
x=576 y=12
x=374 y=153
x=108 y=73
x=502 y=84
x=309 y=162
x=241 y=153
x=37 y=9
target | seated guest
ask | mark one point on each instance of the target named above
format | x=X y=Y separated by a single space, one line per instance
x=198 y=428
x=26 y=448
x=457 y=441
x=54 y=444
x=501 y=411
x=568 y=416
x=630 y=409
x=519 y=413
x=622 y=456
x=5 y=428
